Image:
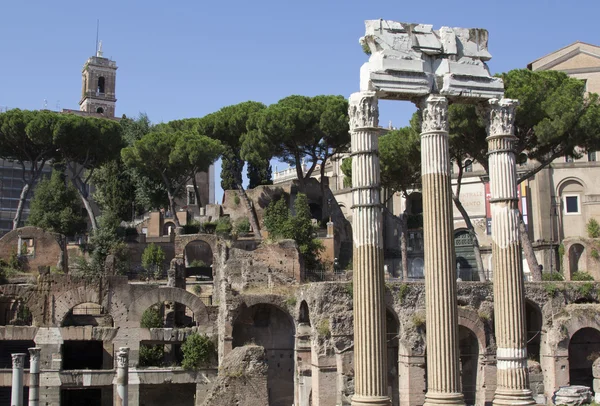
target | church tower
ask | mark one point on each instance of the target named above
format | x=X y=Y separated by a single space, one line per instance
x=99 y=77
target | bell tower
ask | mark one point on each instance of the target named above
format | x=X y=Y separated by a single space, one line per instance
x=98 y=79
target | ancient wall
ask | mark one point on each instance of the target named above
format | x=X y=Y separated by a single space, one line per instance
x=36 y=247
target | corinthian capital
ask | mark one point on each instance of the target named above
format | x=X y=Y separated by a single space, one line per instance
x=435 y=114
x=502 y=117
x=34 y=354
x=363 y=110
x=18 y=360
x=123 y=357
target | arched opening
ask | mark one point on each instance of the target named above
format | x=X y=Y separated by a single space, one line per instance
x=533 y=316
x=392 y=332
x=273 y=329
x=316 y=212
x=469 y=359
x=416 y=268
x=168 y=228
x=14 y=312
x=466 y=265
x=576 y=258
x=101 y=82
x=304 y=316
x=198 y=258
x=584 y=349
x=88 y=314
x=468 y=165
x=100 y=110
x=168 y=315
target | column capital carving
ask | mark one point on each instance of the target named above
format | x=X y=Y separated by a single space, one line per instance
x=363 y=110
x=502 y=117
x=34 y=353
x=123 y=357
x=18 y=360
x=435 y=114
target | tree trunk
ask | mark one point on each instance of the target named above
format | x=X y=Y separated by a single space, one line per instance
x=534 y=269
x=404 y=245
x=21 y=206
x=323 y=199
x=172 y=206
x=469 y=224
x=252 y=214
x=88 y=208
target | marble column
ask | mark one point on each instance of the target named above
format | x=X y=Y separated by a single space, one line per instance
x=509 y=295
x=369 y=309
x=121 y=398
x=443 y=377
x=34 y=376
x=16 y=397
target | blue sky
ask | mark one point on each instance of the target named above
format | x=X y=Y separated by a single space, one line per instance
x=183 y=59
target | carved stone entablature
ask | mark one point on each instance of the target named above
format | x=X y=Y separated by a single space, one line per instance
x=123 y=357
x=435 y=114
x=18 y=360
x=411 y=60
x=502 y=117
x=363 y=110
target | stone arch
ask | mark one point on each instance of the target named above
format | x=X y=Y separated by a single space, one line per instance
x=576 y=257
x=198 y=258
x=469 y=352
x=168 y=228
x=534 y=321
x=166 y=294
x=272 y=328
x=471 y=320
x=72 y=298
x=304 y=313
x=181 y=241
x=584 y=349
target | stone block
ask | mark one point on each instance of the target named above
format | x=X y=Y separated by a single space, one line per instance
x=575 y=395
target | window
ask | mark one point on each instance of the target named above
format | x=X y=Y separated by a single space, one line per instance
x=592 y=156
x=568 y=158
x=571 y=204
x=100 y=89
x=191 y=197
x=100 y=110
x=468 y=165
x=26 y=246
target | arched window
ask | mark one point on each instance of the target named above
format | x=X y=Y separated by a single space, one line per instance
x=468 y=165
x=101 y=85
x=100 y=110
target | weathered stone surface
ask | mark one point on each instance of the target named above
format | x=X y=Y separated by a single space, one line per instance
x=572 y=395
x=242 y=379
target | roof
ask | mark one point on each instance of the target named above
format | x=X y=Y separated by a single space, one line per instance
x=559 y=56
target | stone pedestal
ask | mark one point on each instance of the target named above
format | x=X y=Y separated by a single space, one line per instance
x=509 y=295
x=34 y=376
x=443 y=378
x=121 y=394
x=369 y=310
x=16 y=396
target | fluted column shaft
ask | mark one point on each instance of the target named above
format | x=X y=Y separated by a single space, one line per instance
x=369 y=311
x=16 y=395
x=443 y=373
x=34 y=376
x=509 y=296
x=122 y=395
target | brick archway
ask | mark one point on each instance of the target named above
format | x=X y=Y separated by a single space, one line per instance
x=165 y=294
x=85 y=294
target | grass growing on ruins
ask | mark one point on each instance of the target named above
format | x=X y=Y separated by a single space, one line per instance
x=349 y=288
x=403 y=291
x=418 y=320
x=323 y=328
x=581 y=276
x=551 y=289
x=291 y=301
x=586 y=289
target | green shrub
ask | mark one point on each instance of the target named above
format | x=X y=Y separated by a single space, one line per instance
x=585 y=289
x=581 y=276
x=550 y=289
x=552 y=276
x=198 y=263
x=403 y=291
x=152 y=260
x=198 y=289
x=198 y=351
x=209 y=227
x=224 y=226
x=349 y=288
x=595 y=254
x=418 y=320
x=151 y=355
x=242 y=226
x=152 y=318
x=593 y=228
x=561 y=253
x=236 y=200
x=193 y=227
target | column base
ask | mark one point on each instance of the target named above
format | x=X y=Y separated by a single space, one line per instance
x=443 y=398
x=358 y=400
x=513 y=397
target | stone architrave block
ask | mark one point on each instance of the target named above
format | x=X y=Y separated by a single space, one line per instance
x=575 y=395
